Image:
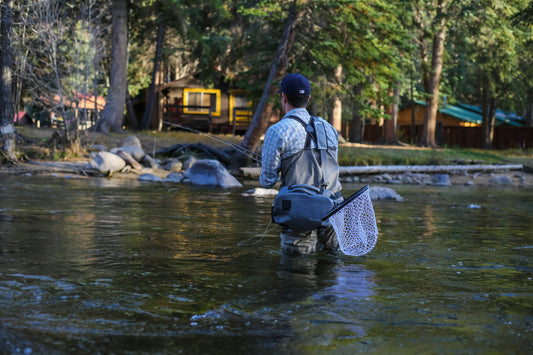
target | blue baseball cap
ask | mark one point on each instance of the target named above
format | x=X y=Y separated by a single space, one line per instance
x=295 y=84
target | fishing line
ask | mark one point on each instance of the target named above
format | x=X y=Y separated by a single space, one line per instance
x=259 y=237
x=252 y=155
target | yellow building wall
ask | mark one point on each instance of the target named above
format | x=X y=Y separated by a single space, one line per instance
x=404 y=116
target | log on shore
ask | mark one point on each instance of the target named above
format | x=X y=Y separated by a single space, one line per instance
x=433 y=169
x=396 y=169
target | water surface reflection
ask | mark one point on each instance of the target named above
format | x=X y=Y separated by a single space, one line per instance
x=113 y=266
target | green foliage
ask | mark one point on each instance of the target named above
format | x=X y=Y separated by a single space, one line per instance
x=486 y=50
x=489 y=45
x=365 y=38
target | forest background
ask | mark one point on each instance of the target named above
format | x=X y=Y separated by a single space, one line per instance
x=364 y=58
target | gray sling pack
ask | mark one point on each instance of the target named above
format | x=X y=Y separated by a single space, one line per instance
x=301 y=207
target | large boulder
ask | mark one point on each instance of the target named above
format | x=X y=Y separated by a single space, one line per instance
x=212 y=173
x=188 y=163
x=106 y=163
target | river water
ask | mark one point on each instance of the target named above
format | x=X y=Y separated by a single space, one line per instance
x=112 y=266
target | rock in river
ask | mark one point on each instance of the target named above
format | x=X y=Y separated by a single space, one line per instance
x=211 y=172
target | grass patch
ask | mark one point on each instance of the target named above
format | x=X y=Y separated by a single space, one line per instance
x=379 y=155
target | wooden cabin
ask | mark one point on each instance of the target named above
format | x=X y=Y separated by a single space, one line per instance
x=186 y=104
x=460 y=125
x=85 y=107
x=459 y=115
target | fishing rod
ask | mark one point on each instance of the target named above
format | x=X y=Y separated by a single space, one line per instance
x=251 y=154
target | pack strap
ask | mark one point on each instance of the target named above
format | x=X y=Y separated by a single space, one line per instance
x=322 y=143
x=316 y=130
x=309 y=130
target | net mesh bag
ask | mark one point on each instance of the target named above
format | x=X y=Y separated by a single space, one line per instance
x=355 y=225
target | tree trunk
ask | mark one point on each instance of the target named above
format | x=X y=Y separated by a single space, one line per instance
x=395 y=109
x=132 y=117
x=113 y=112
x=7 y=131
x=264 y=108
x=357 y=131
x=413 y=121
x=432 y=80
x=488 y=112
x=150 y=103
x=529 y=115
x=336 y=112
x=391 y=124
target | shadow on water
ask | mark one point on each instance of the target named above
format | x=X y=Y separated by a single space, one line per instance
x=116 y=267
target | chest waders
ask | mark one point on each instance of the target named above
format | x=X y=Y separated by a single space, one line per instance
x=316 y=166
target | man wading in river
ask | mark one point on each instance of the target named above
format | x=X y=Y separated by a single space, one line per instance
x=288 y=155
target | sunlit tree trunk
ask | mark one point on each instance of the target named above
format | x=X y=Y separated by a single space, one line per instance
x=7 y=131
x=113 y=113
x=336 y=112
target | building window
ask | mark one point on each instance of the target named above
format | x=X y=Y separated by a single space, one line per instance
x=201 y=101
x=240 y=107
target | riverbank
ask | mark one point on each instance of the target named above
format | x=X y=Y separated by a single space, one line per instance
x=458 y=175
x=40 y=155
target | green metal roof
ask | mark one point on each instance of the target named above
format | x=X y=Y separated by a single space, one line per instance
x=472 y=114
x=462 y=114
x=501 y=116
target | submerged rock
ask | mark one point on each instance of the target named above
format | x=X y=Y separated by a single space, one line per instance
x=441 y=180
x=501 y=180
x=149 y=177
x=175 y=177
x=384 y=193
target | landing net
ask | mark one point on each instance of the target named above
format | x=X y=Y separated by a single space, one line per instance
x=354 y=222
